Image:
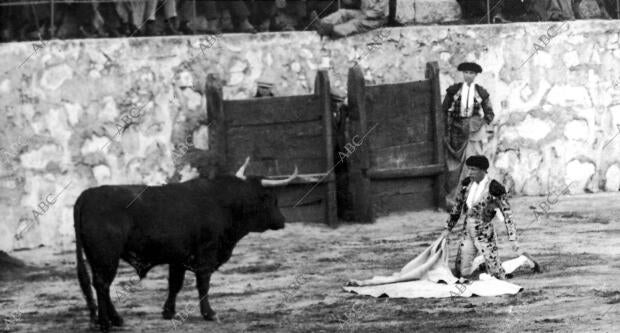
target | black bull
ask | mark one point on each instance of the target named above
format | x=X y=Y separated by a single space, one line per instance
x=193 y=224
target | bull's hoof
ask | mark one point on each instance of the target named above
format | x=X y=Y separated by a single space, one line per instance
x=211 y=316
x=168 y=314
x=104 y=327
x=116 y=321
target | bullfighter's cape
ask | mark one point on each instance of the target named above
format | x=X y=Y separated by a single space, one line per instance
x=428 y=276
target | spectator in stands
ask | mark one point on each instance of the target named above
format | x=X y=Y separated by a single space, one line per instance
x=289 y=16
x=502 y=11
x=186 y=8
x=552 y=10
x=237 y=11
x=611 y=6
x=263 y=13
x=278 y=15
x=371 y=14
x=111 y=23
x=170 y=12
x=134 y=20
x=593 y=9
x=10 y=19
x=138 y=17
x=131 y=14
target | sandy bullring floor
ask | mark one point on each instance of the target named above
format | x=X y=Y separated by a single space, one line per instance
x=578 y=245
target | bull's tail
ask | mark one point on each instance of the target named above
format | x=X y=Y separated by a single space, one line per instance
x=82 y=272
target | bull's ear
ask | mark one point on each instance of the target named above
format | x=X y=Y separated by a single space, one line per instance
x=241 y=172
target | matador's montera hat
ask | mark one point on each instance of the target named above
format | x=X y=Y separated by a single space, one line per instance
x=478 y=161
x=470 y=66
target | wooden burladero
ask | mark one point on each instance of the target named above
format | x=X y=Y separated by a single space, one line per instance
x=396 y=130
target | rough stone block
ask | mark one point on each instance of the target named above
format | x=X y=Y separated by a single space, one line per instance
x=612 y=178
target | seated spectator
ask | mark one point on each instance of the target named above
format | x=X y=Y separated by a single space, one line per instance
x=11 y=18
x=518 y=10
x=289 y=15
x=371 y=14
x=187 y=7
x=134 y=18
x=111 y=23
x=611 y=6
x=502 y=11
x=262 y=13
x=552 y=10
x=588 y=9
x=236 y=20
x=170 y=12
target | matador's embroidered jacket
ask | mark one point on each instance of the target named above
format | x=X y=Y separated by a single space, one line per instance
x=452 y=103
x=482 y=212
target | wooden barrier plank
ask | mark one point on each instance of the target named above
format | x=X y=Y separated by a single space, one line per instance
x=359 y=183
x=397 y=186
x=293 y=130
x=273 y=110
x=217 y=120
x=402 y=156
x=300 y=194
x=401 y=130
x=403 y=202
x=279 y=133
x=314 y=213
x=321 y=88
x=403 y=114
x=421 y=171
x=280 y=144
x=432 y=74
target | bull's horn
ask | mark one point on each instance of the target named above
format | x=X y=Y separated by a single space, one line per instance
x=271 y=182
x=241 y=172
x=311 y=178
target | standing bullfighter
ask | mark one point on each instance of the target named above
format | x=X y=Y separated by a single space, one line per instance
x=478 y=198
x=467 y=107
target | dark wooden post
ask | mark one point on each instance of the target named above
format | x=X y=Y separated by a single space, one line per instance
x=489 y=12
x=360 y=159
x=217 y=121
x=321 y=88
x=432 y=74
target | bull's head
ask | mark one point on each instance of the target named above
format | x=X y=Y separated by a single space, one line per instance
x=269 y=214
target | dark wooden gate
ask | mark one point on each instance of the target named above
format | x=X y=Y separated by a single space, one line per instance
x=279 y=133
x=398 y=163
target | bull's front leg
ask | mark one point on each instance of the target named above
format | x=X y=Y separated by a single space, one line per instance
x=203 y=279
x=175 y=283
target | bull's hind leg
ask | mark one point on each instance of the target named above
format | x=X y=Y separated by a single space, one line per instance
x=175 y=283
x=102 y=279
x=103 y=291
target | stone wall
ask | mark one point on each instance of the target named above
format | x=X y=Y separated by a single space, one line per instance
x=82 y=113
